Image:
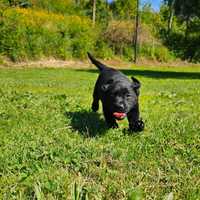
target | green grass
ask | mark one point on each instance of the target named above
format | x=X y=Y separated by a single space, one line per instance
x=53 y=147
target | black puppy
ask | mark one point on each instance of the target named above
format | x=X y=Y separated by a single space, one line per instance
x=119 y=96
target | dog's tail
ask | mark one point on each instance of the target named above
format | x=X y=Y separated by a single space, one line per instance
x=100 y=66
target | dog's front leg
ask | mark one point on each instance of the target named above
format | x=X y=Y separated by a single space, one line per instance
x=110 y=120
x=95 y=103
x=135 y=124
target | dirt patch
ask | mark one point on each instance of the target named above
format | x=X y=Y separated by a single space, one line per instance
x=85 y=64
x=53 y=63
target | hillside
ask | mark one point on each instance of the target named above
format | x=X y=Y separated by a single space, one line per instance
x=38 y=29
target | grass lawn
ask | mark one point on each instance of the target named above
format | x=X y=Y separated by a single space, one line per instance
x=53 y=147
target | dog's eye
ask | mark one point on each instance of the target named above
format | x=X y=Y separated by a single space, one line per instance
x=113 y=94
x=128 y=95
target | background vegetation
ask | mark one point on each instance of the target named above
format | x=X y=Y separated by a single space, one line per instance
x=34 y=29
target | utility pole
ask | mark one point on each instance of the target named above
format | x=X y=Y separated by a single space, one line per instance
x=136 y=45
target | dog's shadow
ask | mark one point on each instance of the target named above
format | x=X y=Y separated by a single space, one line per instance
x=87 y=123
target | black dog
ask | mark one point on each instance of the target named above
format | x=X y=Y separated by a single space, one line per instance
x=119 y=97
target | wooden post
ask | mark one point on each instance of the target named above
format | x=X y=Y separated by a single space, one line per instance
x=136 y=46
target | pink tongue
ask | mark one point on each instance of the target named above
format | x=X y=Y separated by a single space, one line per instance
x=119 y=115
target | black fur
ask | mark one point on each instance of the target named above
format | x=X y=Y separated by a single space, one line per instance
x=117 y=94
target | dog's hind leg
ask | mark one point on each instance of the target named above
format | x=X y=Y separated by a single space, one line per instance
x=110 y=120
x=135 y=124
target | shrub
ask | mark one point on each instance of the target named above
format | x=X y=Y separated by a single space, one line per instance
x=82 y=35
x=119 y=34
x=103 y=50
x=66 y=7
x=128 y=53
x=156 y=52
x=29 y=34
x=162 y=54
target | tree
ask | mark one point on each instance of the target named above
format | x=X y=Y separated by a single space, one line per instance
x=124 y=9
x=94 y=12
x=98 y=11
x=185 y=10
x=186 y=37
x=171 y=14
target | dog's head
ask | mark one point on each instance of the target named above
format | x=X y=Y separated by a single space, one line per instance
x=121 y=96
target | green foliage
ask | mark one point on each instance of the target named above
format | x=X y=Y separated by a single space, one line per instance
x=103 y=12
x=82 y=35
x=54 y=147
x=128 y=53
x=119 y=34
x=147 y=14
x=156 y=52
x=79 y=192
x=184 y=38
x=65 y=7
x=103 y=50
x=29 y=34
x=187 y=9
x=124 y=9
x=162 y=54
x=63 y=29
x=21 y=3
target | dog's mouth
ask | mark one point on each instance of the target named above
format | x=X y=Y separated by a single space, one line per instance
x=119 y=115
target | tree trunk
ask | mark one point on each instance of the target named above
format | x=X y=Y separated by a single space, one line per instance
x=170 y=20
x=171 y=15
x=187 y=27
x=136 y=45
x=94 y=12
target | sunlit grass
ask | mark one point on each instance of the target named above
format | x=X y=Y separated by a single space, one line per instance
x=53 y=147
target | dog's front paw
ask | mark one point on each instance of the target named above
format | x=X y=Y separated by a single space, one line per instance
x=113 y=125
x=95 y=107
x=137 y=127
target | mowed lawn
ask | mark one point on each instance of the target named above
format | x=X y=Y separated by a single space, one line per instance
x=52 y=146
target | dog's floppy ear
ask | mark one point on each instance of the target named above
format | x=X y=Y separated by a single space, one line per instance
x=106 y=86
x=136 y=83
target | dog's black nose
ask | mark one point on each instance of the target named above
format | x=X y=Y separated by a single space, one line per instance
x=120 y=106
